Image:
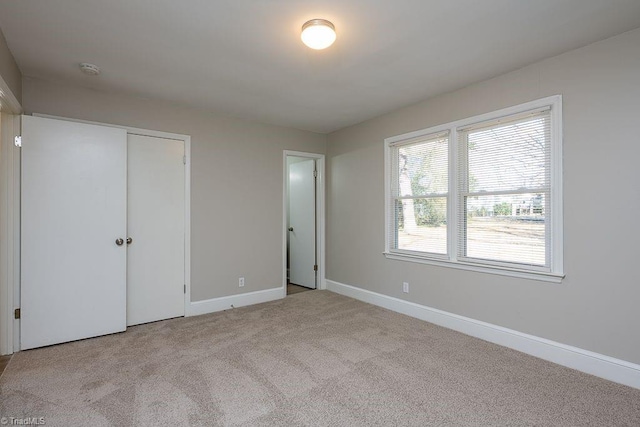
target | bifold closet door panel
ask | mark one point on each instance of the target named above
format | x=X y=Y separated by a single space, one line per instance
x=156 y=221
x=73 y=272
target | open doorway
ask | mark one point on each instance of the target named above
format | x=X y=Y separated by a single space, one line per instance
x=303 y=222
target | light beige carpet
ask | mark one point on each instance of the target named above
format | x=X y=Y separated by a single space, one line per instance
x=314 y=358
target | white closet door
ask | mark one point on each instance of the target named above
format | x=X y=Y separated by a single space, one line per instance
x=156 y=206
x=73 y=274
x=302 y=224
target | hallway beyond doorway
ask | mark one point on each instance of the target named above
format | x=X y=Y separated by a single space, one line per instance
x=295 y=289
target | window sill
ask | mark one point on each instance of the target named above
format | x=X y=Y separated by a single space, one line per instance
x=501 y=271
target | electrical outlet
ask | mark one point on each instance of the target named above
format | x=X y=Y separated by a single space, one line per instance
x=405 y=287
x=241 y=282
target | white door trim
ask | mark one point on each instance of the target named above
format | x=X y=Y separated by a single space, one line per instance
x=187 y=188
x=10 y=219
x=10 y=223
x=320 y=215
x=10 y=103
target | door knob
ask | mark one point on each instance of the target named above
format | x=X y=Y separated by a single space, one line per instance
x=290 y=228
x=129 y=240
x=119 y=242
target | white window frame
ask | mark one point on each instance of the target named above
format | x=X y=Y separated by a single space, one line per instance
x=555 y=272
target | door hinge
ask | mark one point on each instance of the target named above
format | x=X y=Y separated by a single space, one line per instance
x=185 y=288
x=18 y=141
x=184 y=160
x=315 y=173
x=16 y=313
x=315 y=267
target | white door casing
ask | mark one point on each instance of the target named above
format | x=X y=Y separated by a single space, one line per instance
x=10 y=231
x=73 y=274
x=156 y=225
x=302 y=224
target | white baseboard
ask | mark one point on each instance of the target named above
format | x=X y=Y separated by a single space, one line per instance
x=600 y=365
x=233 y=301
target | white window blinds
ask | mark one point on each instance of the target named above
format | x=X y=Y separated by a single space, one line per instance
x=504 y=190
x=420 y=188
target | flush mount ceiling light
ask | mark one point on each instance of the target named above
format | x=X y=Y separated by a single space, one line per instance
x=318 y=34
x=89 y=69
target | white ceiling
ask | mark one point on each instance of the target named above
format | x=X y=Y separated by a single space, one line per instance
x=245 y=58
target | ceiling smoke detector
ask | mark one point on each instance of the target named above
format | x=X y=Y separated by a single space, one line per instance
x=89 y=69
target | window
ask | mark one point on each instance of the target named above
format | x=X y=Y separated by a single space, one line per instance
x=420 y=192
x=484 y=193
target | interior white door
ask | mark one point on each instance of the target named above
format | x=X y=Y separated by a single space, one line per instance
x=302 y=224
x=73 y=274
x=156 y=206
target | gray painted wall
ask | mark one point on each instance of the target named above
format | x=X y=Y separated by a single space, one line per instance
x=597 y=306
x=236 y=180
x=9 y=69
